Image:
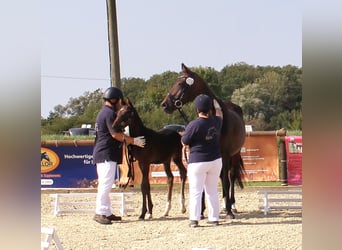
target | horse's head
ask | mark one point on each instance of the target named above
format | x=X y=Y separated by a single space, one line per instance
x=124 y=117
x=184 y=90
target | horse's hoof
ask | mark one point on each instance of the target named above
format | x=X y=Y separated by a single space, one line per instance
x=183 y=210
x=166 y=212
x=234 y=210
x=141 y=218
x=149 y=216
x=230 y=216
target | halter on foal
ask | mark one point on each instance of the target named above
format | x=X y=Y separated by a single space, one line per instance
x=185 y=90
x=161 y=147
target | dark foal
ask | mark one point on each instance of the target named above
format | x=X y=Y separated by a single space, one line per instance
x=161 y=147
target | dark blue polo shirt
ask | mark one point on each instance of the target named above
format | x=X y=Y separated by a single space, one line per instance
x=203 y=137
x=106 y=148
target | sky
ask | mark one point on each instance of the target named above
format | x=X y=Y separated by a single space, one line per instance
x=156 y=36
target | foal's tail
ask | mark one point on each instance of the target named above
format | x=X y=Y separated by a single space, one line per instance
x=238 y=170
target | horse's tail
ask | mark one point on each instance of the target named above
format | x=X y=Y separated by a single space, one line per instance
x=239 y=171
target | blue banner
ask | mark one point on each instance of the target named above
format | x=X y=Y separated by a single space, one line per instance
x=67 y=167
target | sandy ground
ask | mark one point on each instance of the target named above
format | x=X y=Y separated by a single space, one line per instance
x=251 y=229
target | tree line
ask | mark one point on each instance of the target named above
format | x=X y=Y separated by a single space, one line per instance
x=270 y=97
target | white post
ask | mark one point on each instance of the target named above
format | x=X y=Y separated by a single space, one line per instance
x=266 y=208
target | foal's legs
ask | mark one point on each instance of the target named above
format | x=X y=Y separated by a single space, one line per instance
x=146 y=192
x=182 y=172
x=169 y=175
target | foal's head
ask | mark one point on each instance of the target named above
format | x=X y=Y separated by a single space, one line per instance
x=184 y=90
x=124 y=117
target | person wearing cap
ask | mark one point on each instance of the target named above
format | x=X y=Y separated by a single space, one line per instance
x=107 y=153
x=202 y=135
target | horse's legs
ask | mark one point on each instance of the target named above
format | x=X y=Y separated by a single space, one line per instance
x=236 y=175
x=169 y=187
x=223 y=194
x=143 y=208
x=146 y=194
x=229 y=212
x=226 y=188
x=203 y=205
x=149 y=202
x=232 y=191
x=182 y=173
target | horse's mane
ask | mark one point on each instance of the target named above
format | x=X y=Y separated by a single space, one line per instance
x=138 y=122
x=207 y=89
x=136 y=115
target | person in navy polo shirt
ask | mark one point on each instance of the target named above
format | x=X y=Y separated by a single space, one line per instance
x=107 y=153
x=202 y=135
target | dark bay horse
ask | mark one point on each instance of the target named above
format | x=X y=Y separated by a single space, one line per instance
x=161 y=147
x=185 y=90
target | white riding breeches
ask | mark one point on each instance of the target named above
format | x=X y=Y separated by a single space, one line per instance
x=204 y=175
x=106 y=172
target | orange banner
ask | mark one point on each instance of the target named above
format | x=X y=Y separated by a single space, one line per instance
x=260 y=157
x=259 y=154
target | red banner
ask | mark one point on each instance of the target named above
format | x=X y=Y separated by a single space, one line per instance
x=294 y=150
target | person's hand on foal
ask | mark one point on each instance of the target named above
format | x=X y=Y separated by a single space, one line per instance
x=139 y=141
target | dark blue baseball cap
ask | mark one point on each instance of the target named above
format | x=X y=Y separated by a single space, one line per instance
x=203 y=103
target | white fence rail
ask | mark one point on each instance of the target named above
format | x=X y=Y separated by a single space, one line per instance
x=280 y=200
x=85 y=202
x=50 y=236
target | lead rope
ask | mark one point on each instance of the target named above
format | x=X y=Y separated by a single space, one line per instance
x=129 y=160
x=181 y=111
x=184 y=116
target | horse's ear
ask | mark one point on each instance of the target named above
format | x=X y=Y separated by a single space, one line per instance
x=128 y=101
x=185 y=69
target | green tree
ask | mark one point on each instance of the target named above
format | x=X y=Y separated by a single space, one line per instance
x=77 y=106
x=210 y=76
x=272 y=83
x=132 y=87
x=273 y=101
x=236 y=76
x=77 y=111
x=291 y=120
x=271 y=98
x=251 y=98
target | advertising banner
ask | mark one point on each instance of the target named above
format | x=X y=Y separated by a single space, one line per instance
x=260 y=157
x=67 y=167
x=259 y=154
x=294 y=150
